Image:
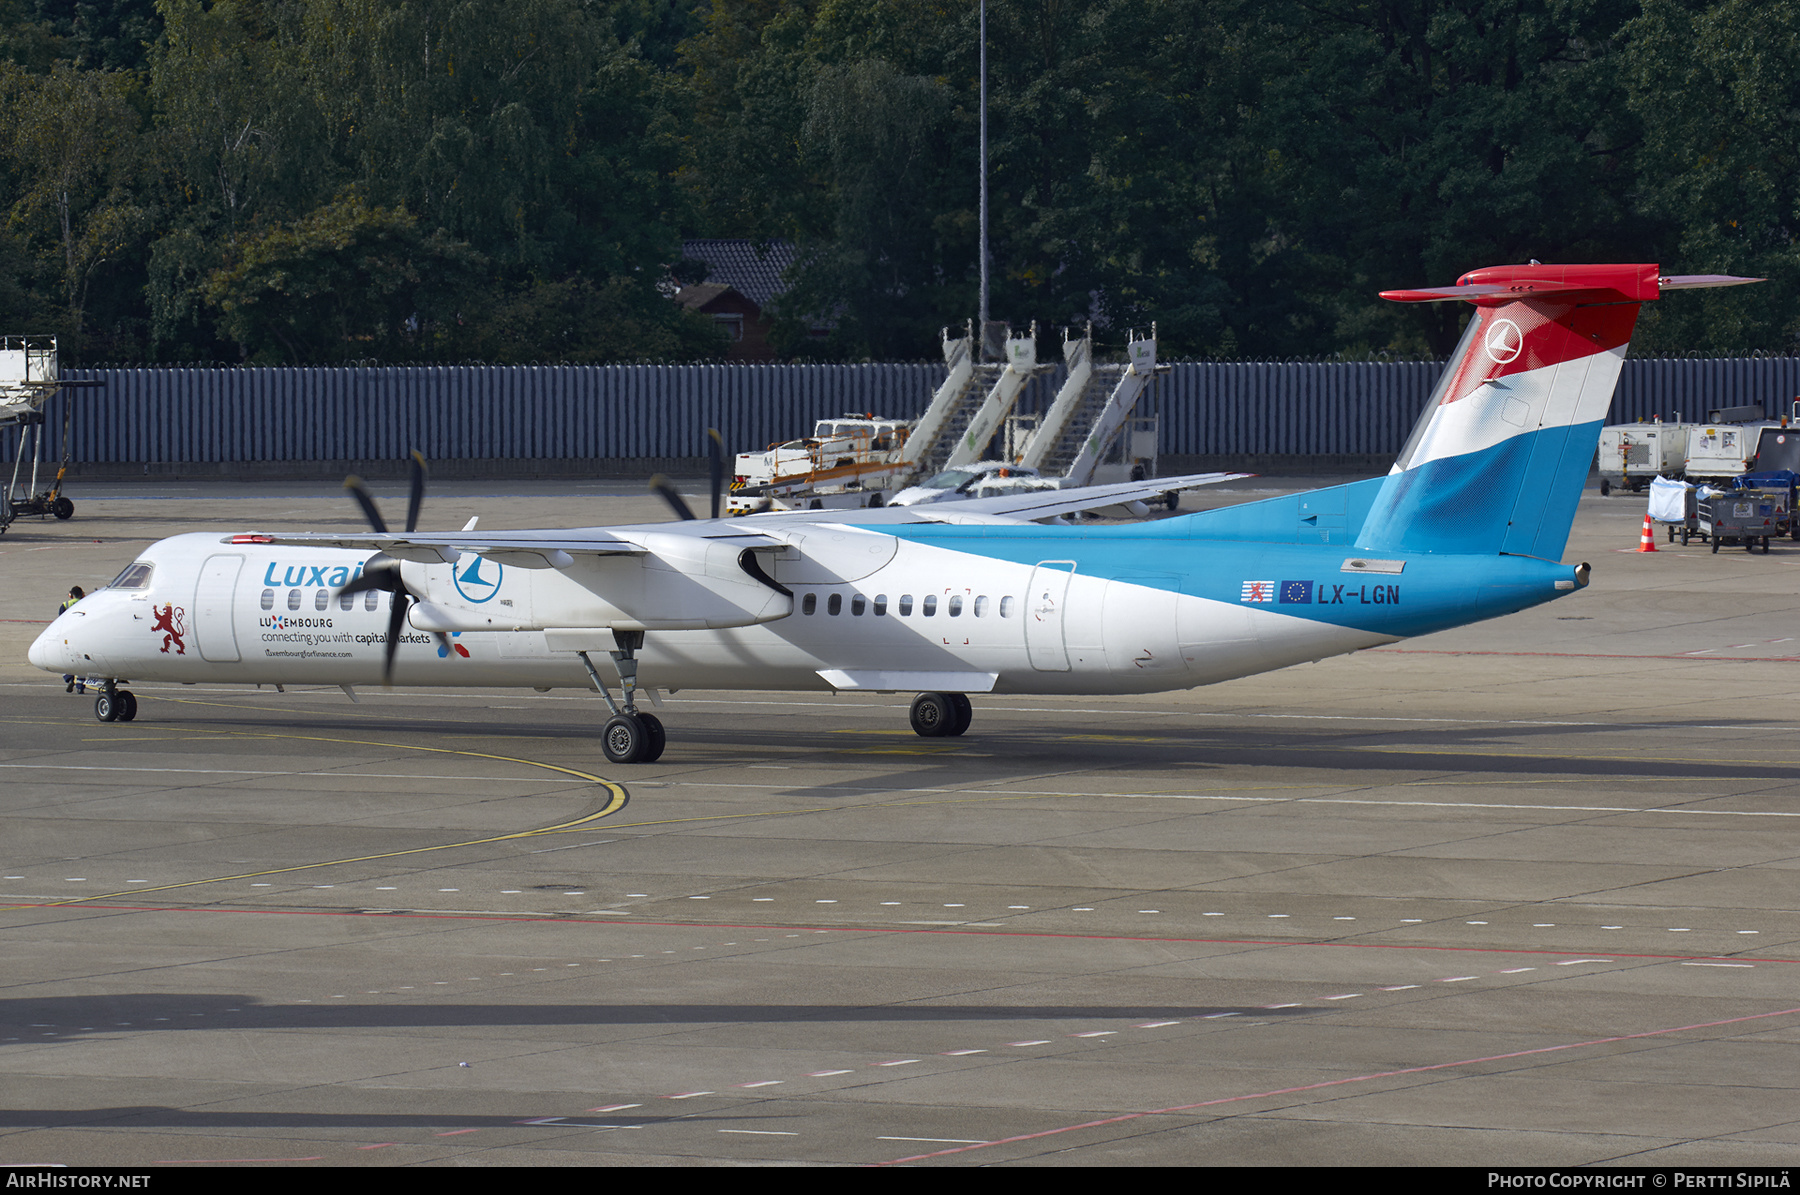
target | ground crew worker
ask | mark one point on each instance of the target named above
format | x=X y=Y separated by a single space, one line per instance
x=71 y=682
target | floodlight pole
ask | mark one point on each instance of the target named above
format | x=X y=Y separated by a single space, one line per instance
x=984 y=173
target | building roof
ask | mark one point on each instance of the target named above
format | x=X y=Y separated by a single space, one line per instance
x=698 y=295
x=751 y=268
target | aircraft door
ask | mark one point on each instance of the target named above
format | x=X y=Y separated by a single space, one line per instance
x=213 y=625
x=1045 y=603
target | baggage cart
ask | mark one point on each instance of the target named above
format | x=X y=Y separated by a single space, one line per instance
x=1746 y=516
x=1673 y=504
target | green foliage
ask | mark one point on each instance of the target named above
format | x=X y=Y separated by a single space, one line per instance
x=582 y=322
x=511 y=179
x=1723 y=173
x=521 y=132
x=347 y=281
x=71 y=138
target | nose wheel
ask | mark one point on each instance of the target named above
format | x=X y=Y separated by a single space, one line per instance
x=941 y=715
x=115 y=705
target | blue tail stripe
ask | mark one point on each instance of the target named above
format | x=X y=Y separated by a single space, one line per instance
x=1453 y=504
x=1550 y=491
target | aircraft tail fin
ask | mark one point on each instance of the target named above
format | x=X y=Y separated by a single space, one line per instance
x=1498 y=459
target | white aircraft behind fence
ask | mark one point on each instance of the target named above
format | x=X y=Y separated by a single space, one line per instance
x=943 y=601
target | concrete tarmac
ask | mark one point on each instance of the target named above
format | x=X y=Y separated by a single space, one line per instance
x=1523 y=893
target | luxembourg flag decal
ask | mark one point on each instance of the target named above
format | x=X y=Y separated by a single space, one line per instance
x=1258 y=591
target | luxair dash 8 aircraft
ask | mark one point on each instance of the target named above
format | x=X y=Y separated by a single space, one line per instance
x=943 y=601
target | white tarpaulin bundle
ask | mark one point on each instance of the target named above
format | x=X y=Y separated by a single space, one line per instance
x=1669 y=500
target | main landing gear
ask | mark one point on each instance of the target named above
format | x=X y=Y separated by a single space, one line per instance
x=941 y=715
x=115 y=704
x=629 y=736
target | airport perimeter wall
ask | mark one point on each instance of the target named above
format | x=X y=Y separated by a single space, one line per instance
x=625 y=420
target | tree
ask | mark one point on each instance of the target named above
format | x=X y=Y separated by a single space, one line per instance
x=1717 y=89
x=347 y=281
x=72 y=138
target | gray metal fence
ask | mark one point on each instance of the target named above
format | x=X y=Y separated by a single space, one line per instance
x=472 y=412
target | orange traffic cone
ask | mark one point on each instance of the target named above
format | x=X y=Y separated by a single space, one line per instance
x=1647 y=541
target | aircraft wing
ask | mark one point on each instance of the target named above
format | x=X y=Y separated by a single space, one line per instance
x=1042 y=504
x=558 y=548
x=526 y=549
x=1021 y=507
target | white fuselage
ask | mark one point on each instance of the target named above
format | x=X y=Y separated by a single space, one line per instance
x=867 y=611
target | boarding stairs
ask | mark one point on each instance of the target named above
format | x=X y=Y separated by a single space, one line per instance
x=1090 y=410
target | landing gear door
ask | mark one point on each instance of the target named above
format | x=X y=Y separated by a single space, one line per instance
x=1045 y=645
x=213 y=626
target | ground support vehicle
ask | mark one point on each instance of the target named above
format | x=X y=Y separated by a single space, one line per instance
x=848 y=462
x=1746 y=516
x=1633 y=454
x=1722 y=452
x=24 y=498
x=1777 y=449
x=1779 y=481
x=28 y=380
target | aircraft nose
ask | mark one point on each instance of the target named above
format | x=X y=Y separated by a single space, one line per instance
x=48 y=651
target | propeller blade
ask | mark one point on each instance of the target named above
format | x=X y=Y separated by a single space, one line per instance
x=360 y=492
x=417 y=499
x=676 y=502
x=380 y=572
x=396 y=624
x=715 y=451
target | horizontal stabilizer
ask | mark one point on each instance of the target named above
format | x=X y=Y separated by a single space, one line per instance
x=1589 y=284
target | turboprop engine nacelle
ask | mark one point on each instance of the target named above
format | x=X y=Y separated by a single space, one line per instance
x=676 y=582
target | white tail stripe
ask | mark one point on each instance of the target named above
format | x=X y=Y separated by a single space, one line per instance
x=1564 y=395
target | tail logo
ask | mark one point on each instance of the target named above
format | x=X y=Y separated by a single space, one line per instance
x=1504 y=341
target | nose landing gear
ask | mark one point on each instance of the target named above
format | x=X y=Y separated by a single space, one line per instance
x=115 y=704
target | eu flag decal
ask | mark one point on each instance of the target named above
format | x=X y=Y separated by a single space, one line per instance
x=1296 y=592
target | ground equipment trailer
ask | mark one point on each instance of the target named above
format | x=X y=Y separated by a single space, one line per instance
x=1743 y=515
x=29 y=378
x=1632 y=454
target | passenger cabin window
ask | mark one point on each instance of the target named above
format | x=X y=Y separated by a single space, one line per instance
x=809 y=603
x=955 y=605
x=980 y=605
x=834 y=605
x=880 y=605
x=929 y=606
x=293 y=599
x=135 y=576
x=321 y=599
x=1006 y=607
x=857 y=604
x=268 y=599
x=346 y=601
x=905 y=605
x=371 y=599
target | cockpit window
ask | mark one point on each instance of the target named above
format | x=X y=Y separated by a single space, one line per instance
x=135 y=576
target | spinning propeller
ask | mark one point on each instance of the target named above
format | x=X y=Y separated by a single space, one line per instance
x=715 y=453
x=383 y=572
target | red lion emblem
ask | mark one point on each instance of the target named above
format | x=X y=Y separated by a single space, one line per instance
x=169 y=619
